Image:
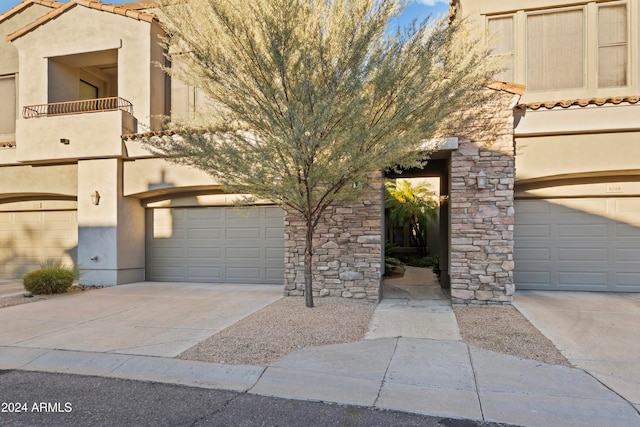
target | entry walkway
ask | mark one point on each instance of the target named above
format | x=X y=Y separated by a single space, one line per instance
x=414 y=306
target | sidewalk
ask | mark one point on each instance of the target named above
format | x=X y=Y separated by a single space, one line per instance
x=440 y=377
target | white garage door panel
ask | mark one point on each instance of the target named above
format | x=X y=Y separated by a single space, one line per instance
x=29 y=238
x=578 y=244
x=230 y=245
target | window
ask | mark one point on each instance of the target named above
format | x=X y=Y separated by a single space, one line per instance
x=555 y=50
x=612 y=46
x=88 y=91
x=8 y=105
x=501 y=37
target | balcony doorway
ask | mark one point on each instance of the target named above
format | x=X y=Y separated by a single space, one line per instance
x=82 y=76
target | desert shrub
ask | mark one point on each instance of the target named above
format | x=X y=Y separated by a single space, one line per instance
x=393 y=266
x=49 y=279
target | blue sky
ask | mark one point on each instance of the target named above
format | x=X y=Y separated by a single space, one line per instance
x=417 y=9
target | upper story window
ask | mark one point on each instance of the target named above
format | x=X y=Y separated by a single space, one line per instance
x=501 y=33
x=612 y=45
x=555 y=50
x=8 y=105
x=81 y=76
x=573 y=50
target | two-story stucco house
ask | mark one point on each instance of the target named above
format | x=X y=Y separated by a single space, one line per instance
x=81 y=87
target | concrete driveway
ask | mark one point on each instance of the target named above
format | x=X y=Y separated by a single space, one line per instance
x=598 y=332
x=148 y=318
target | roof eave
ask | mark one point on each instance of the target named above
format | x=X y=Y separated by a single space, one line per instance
x=27 y=3
x=91 y=4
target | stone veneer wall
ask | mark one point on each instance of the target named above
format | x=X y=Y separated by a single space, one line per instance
x=481 y=250
x=348 y=249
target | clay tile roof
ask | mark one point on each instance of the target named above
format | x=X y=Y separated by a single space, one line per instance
x=566 y=103
x=118 y=10
x=160 y=133
x=25 y=4
x=142 y=4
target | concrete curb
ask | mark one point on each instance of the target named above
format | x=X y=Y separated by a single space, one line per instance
x=423 y=376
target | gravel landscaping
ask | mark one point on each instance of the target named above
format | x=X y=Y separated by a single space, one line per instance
x=283 y=327
x=504 y=329
x=12 y=300
x=25 y=297
x=287 y=325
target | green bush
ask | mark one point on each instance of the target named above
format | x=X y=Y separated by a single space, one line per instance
x=49 y=279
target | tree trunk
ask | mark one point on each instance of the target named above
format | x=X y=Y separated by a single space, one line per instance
x=308 y=259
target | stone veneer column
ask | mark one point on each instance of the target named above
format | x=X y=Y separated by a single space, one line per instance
x=347 y=259
x=481 y=251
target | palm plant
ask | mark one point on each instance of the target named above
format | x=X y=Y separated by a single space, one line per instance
x=413 y=205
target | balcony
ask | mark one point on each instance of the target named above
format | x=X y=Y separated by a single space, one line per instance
x=68 y=131
x=77 y=107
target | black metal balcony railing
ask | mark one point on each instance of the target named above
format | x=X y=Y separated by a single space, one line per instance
x=77 y=107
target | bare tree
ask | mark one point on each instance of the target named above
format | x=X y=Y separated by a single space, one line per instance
x=309 y=97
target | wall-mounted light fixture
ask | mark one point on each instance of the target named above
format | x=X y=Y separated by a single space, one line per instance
x=95 y=198
x=481 y=180
x=64 y=141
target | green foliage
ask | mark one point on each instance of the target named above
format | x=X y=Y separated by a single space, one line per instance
x=391 y=264
x=413 y=205
x=49 y=279
x=308 y=97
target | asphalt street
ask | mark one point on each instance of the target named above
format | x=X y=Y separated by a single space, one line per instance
x=45 y=399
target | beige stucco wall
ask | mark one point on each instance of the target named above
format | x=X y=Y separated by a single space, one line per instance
x=578 y=151
x=112 y=233
x=8 y=52
x=63 y=82
x=159 y=79
x=145 y=178
x=623 y=117
x=9 y=55
x=30 y=181
x=89 y=135
x=564 y=156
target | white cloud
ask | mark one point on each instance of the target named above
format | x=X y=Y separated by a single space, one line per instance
x=432 y=2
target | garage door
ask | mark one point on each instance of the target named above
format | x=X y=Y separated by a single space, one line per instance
x=218 y=245
x=29 y=238
x=589 y=244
